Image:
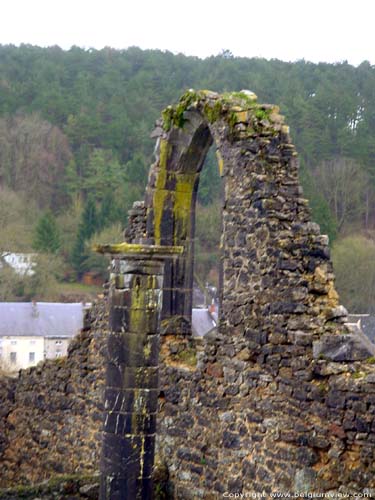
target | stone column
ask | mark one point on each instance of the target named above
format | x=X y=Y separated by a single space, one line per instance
x=132 y=369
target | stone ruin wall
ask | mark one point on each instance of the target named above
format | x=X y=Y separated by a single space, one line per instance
x=50 y=416
x=282 y=398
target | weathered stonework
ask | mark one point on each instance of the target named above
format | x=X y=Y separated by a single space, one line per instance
x=257 y=411
x=51 y=415
x=282 y=398
x=132 y=370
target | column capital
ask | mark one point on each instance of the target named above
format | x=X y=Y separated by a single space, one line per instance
x=137 y=251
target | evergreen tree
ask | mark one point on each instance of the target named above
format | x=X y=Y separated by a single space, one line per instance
x=89 y=222
x=88 y=226
x=108 y=211
x=78 y=255
x=47 y=235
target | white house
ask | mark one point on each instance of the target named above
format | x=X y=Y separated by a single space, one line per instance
x=33 y=331
x=22 y=263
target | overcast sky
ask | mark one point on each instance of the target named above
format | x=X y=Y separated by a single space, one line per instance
x=319 y=30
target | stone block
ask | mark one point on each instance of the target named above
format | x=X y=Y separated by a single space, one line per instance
x=346 y=347
x=130 y=400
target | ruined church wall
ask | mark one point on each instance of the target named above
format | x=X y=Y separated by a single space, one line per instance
x=280 y=398
x=50 y=415
x=229 y=423
x=226 y=422
x=263 y=408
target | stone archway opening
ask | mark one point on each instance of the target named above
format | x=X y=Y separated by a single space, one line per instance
x=265 y=218
x=208 y=230
x=171 y=201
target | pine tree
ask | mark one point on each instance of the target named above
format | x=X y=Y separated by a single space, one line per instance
x=89 y=222
x=109 y=212
x=47 y=236
x=88 y=226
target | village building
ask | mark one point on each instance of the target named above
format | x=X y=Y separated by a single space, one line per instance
x=22 y=263
x=33 y=331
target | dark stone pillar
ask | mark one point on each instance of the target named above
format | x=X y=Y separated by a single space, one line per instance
x=132 y=370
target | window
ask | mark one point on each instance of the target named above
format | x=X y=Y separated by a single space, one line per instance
x=13 y=342
x=31 y=357
x=58 y=342
x=13 y=357
x=58 y=354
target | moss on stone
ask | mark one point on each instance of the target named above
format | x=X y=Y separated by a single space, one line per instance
x=174 y=115
x=53 y=486
x=262 y=114
x=182 y=205
x=187 y=357
x=239 y=98
x=161 y=194
x=138 y=249
x=220 y=163
x=167 y=116
x=232 y=120
x=214 y=112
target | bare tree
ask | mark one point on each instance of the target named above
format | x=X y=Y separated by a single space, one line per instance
x=345 y=186
x=33 y=158
x=354 y=263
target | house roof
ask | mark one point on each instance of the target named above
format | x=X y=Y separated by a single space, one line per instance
x=202 y=322
x=42 y=319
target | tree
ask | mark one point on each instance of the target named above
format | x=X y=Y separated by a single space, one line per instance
x=33 y=158
x=89 y=223
x=343 y=184
x=354 y=264
x=17 y=218
x=320 y=209
x=209 y=179
x=136 y=170
x=103 y=174
x=88 y=226
x=207 y=240
x=94 y=261
x=47 y=235
x=42 y=284
x=109 y=211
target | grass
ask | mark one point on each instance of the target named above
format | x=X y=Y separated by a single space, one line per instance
x=79 y=290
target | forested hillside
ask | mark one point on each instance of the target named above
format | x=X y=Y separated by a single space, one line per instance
x=75 y=150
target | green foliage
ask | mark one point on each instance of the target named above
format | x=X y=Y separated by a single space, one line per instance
x=46 y=234
x=48 y=269
x=17 y=219
x=136 y=170
x=94 y=261
x=105 y=103
x=342 y=182
x=354 y=264
x=90 y=222
x=88 y=226
x=75 y=125
x=209 y=180
x=33 y=156
x=43 y=284
x=207 y=236
x=103 y=174
x=321 y=212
